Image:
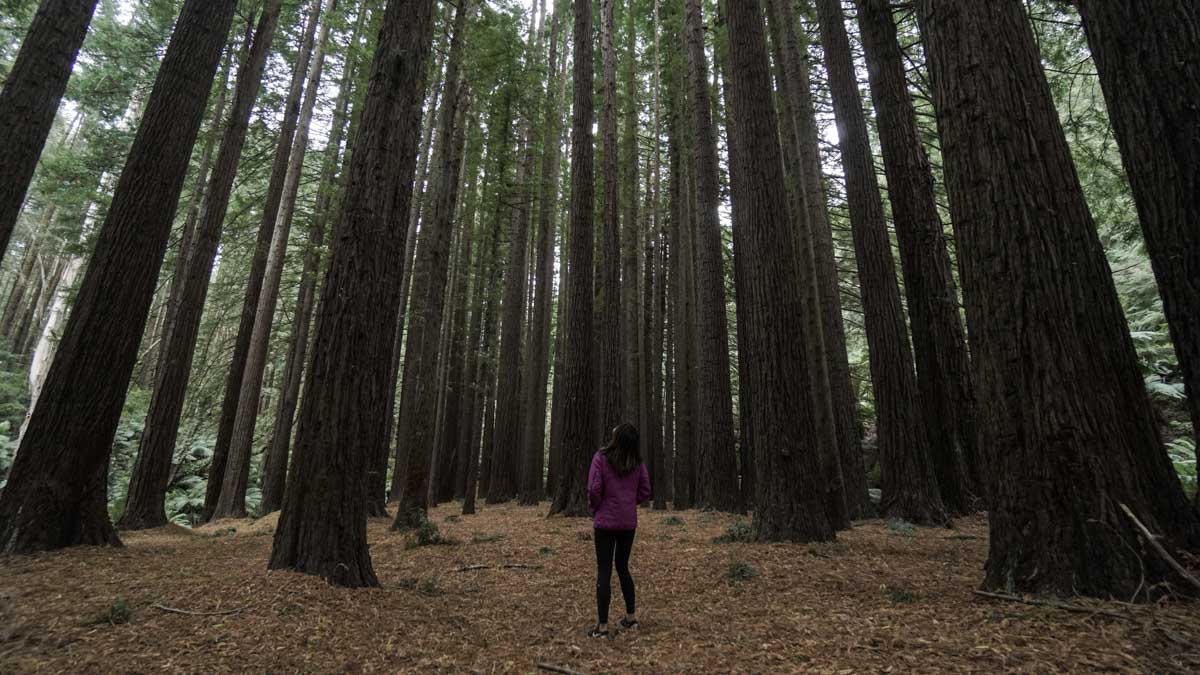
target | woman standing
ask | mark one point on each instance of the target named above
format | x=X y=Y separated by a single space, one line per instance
x=617 y=483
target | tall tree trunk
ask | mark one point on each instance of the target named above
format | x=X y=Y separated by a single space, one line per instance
x=24 y=275
x=258 y=265
x=943 y=378
x=152 y=469
x=682 y=308
x=232 y=503
x=1067 y=427
x=845 y=403
x=716 y=449
x=578 y=418
x=608 y=268
x=554 y=468
x=631 y=334
x=484 y=372
x=910 y=489
x=343 y=417
x=274 y=478
x=655 y=293
x=789 y=499
x=30 y=97
x=1146 y=57
x=534 y=435
x=56 y=494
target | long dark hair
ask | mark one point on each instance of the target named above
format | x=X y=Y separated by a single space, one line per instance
x=623 y=449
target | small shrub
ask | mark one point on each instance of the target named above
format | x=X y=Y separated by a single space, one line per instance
x=408 y=583
x=428 y=534
x=737 y=533
x=225 y=532
x=117 y=613
x=452 y=518
x=486 y=538
x=429 y=587
x=673 y=520
x=899 y=596
x=901 y=527
x=546 y=550
x=740 y=571
x=583 y=536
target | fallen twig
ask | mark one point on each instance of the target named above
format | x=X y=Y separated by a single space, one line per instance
x=509 y=566
x=174 y=610
x=1051 y=603
x=558 y=669
x=1153 y=541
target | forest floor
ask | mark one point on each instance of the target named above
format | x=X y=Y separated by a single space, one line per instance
x=882 y=598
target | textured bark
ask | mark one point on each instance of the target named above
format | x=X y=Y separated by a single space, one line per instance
x=631 y=332
x=30 y=97
x=789 y=499
x=845 y=405
x=578 y=417
x=419 y=396
x=1064 y=418
x=554 y=468
x=608 y=328
x=26 y=274
x=258 y=265
x=683 y=475
x=910 y=489
x=152 y=469
x=654 y=292
x=56 y=494
x=343 y=417
x=1145 y=53
x=274 y=474
x=943 y=378
x=534 y=437
x=715 y=447
x=232 y=503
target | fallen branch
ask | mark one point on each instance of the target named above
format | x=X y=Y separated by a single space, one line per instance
x=174 y=610
x=510 y=566
x=1153 y=541
x=1051 y=603
x=558 y=669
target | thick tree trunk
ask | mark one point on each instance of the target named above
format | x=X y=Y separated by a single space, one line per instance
x=232 y=503
x=607 y=328
x=258 y=265
x=579 y=384
x=683 y=477
x=1064 y=418
x=789 y=498
x=274 y=478
x=715 y=447
x=30 y=97
x=343 y=417
x=152 y=469
x=940 y=348
x=631 y=333
x=910 y=489
x=484 y=373
x=1146 y=56
x=56 y=494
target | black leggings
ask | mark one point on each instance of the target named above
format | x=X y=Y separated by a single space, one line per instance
x=608 y=542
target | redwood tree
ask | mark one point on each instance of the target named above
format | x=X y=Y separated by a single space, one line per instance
x=1145 y=53
x=578 y=418
x=789 y=499
x=1064 y=417
x=30 y=97
x=910 y=489
x=608 y=326
x=56 y=494
x=343 y=418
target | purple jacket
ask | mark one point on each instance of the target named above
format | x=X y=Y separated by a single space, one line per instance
x=612 y=498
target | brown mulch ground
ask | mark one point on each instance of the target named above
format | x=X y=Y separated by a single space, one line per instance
x=878 y=600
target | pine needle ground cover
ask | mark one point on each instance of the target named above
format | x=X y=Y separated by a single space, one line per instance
x=513 y=589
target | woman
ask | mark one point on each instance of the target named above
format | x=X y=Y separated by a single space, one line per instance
x=617 y=483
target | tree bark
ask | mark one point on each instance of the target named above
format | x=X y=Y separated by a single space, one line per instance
x=343 y=417
x=631 y=333
x=151 y=474
x=258 y=266
x=232 y=502
x=715 y=447
x=30 y=97
x=910 y=489
x=789 y=500
x=1067 y=426
x=1151 y=81
x=607 y=290
x=682 y=295
x=56 y=494
x=943 y=378
x=578 y=418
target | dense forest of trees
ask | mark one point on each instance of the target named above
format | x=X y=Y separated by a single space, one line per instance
x=345 y=259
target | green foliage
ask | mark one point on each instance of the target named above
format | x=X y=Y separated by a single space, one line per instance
x=1182 y=451
x=487 y=538
x=546 y=550
x=898 y=595
x=901 y=527
x=740 y=571
x=428 y=534
x=673 y=520
x=117 y=613
x=738 y=533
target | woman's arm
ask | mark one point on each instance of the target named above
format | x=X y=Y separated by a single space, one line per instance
x=643 y=491
x=595 y=483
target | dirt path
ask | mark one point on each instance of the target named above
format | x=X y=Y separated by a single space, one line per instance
x=879 y=599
